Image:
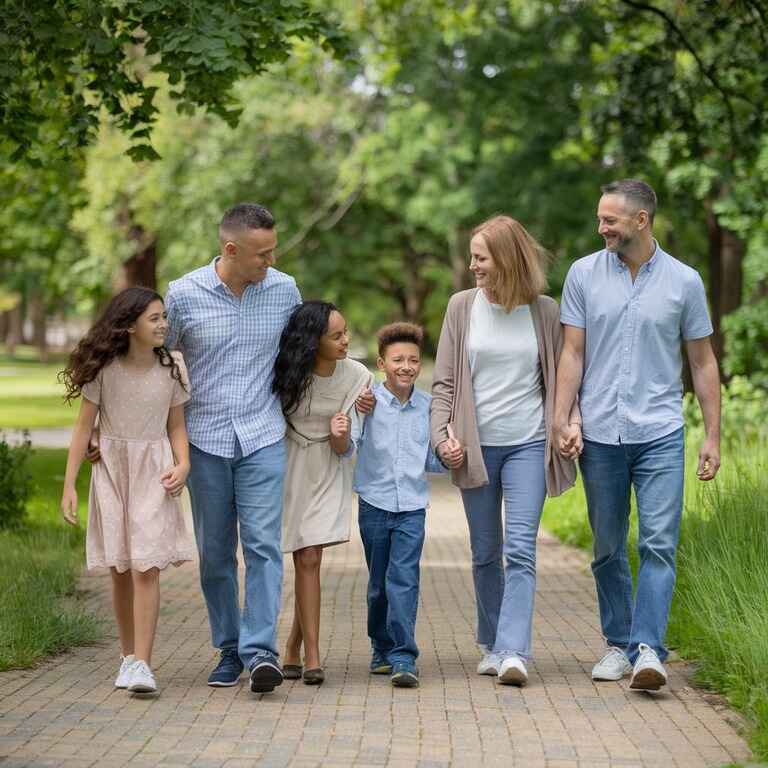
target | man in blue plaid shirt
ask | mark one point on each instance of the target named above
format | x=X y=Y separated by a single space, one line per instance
x=226 y=318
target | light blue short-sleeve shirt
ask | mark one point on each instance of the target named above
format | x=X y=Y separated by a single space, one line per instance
x=631 y=389
x=230 y=345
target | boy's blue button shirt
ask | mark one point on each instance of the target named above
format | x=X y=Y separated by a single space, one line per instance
x=394 y=454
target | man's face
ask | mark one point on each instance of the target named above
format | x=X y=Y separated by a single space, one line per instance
x=252 y=252
x=617 y=224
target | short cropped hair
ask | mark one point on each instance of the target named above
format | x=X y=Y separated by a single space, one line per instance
x=520 y=261
x=395 y=333
x=636 y=192
x=246 y=216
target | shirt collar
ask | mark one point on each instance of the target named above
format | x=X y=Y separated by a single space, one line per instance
x=392 y=399
x=649 y=265
x=214 y=281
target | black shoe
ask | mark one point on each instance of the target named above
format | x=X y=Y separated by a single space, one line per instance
x=405 y=675
x=227 y=671
x=265 y=673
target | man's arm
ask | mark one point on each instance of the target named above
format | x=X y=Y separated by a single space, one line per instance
x=706 y=384
x=570 y=369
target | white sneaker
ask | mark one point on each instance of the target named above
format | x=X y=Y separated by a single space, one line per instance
x=123 y=676
x=489 y=664
x=613 y=666
x=512 y=671
x=142 y=680
x=649 y=673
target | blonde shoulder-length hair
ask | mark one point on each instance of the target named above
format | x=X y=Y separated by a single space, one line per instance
x=519 y=259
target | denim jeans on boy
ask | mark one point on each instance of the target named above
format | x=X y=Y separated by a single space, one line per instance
x=393 y=542
x=224 y=492
x=656 y=469
x=504 y=561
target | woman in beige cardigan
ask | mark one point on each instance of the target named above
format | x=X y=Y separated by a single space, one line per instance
x=492 y=399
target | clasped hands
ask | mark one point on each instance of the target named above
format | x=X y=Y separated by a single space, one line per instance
x=567 y=438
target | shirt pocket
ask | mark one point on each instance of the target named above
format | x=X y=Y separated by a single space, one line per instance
x=420 y=431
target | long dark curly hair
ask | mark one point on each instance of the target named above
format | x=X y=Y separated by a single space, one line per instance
x=299 y=343
x=108 y=338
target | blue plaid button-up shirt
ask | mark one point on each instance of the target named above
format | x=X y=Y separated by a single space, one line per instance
x=230 y=346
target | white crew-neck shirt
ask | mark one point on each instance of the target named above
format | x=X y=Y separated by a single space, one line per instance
x=506 y=373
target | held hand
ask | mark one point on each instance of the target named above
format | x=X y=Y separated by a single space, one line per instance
x=173 y=479
x=93 y=454
x=451 y=451
x=709 y=459
x=366 y=402
x=69 y=505
x=341 y=426
x=569 y=441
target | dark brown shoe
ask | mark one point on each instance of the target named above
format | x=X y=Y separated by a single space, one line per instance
x=314 y=676
x=292 y=671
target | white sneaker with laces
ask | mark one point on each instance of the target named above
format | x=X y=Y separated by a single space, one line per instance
x=123 y=676
x=512 y=671
x=142 y=680
x=489 y=664
x=649 y=673
x=613 y=666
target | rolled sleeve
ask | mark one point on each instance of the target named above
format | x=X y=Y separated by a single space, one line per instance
x=695 y=322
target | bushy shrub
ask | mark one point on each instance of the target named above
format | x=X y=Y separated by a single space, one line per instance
x=744 y=414
x=746 y=333
x=15 y=481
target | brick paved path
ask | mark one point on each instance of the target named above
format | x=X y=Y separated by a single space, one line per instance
x=66 y=713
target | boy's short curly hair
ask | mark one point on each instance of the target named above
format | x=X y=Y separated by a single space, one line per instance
x=399 y=332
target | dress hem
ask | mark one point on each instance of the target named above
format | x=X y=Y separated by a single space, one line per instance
x=121 y=566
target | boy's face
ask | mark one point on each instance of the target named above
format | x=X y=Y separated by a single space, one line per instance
x=401 y=364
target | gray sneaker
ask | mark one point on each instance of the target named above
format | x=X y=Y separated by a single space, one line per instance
x=649 y=673
x=613 y=666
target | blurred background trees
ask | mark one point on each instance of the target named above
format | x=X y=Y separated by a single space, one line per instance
x=379 y=132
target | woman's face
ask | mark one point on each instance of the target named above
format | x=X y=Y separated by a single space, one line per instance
x=335 y=341
x=481 y=263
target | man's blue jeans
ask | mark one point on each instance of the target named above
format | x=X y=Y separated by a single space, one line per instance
x=656 y=470
x=224 y=492
x=393 y=542
x=504 y=560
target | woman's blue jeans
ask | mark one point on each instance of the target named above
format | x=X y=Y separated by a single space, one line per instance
x=656 y=469
x=504 y=558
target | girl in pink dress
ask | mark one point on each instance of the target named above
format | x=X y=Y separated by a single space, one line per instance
x=135 y=523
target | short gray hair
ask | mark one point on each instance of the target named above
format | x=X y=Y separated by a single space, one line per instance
x=635 y=191
x=246 y=216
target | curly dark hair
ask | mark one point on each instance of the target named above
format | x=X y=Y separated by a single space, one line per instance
x=299 y=343
x=108 y=338
x=395 y=333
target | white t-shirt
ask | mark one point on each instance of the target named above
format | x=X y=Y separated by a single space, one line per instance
x=506 y=373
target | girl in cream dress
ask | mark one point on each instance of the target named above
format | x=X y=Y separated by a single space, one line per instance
x=318 y=386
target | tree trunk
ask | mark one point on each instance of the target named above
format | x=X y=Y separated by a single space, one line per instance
x=459 y=249
x=726 y=276
x=141 y=268
x=39 y=326
x=14 y=334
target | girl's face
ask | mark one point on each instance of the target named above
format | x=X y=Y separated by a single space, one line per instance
x=335 y=341
x=481 y=263
x=151 y=326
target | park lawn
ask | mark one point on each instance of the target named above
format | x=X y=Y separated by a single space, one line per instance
x=718 y=619
x=40 y=612
x=30 y=395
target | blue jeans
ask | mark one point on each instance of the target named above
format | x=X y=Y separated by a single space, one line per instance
x=247 y=490
x=393 y=542
x=656 y=470
x=504 y=562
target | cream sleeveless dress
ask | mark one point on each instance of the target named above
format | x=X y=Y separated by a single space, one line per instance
x=132 y=521
x=317 y=504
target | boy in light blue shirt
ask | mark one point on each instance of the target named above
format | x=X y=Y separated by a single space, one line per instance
x=394 y=455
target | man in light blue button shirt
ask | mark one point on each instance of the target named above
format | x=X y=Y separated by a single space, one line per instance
x=627 y=311
x=226 y=318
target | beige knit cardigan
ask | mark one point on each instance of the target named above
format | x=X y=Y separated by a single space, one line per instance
x=453 y=399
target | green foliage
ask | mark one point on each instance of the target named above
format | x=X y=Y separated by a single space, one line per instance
x=61 y=62
x=747 y=349
x=40 y=563
x=744 y=407
x=14 y=481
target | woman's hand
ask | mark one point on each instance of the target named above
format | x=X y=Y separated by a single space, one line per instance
x=174 y=479
x=341 y=426
x=569 y=440
x=366 y=402
x=69 y=505
x=451 y=451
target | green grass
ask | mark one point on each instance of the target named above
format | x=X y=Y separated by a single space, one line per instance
x=719 y=619
x=30 y=396
x=40 y=613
